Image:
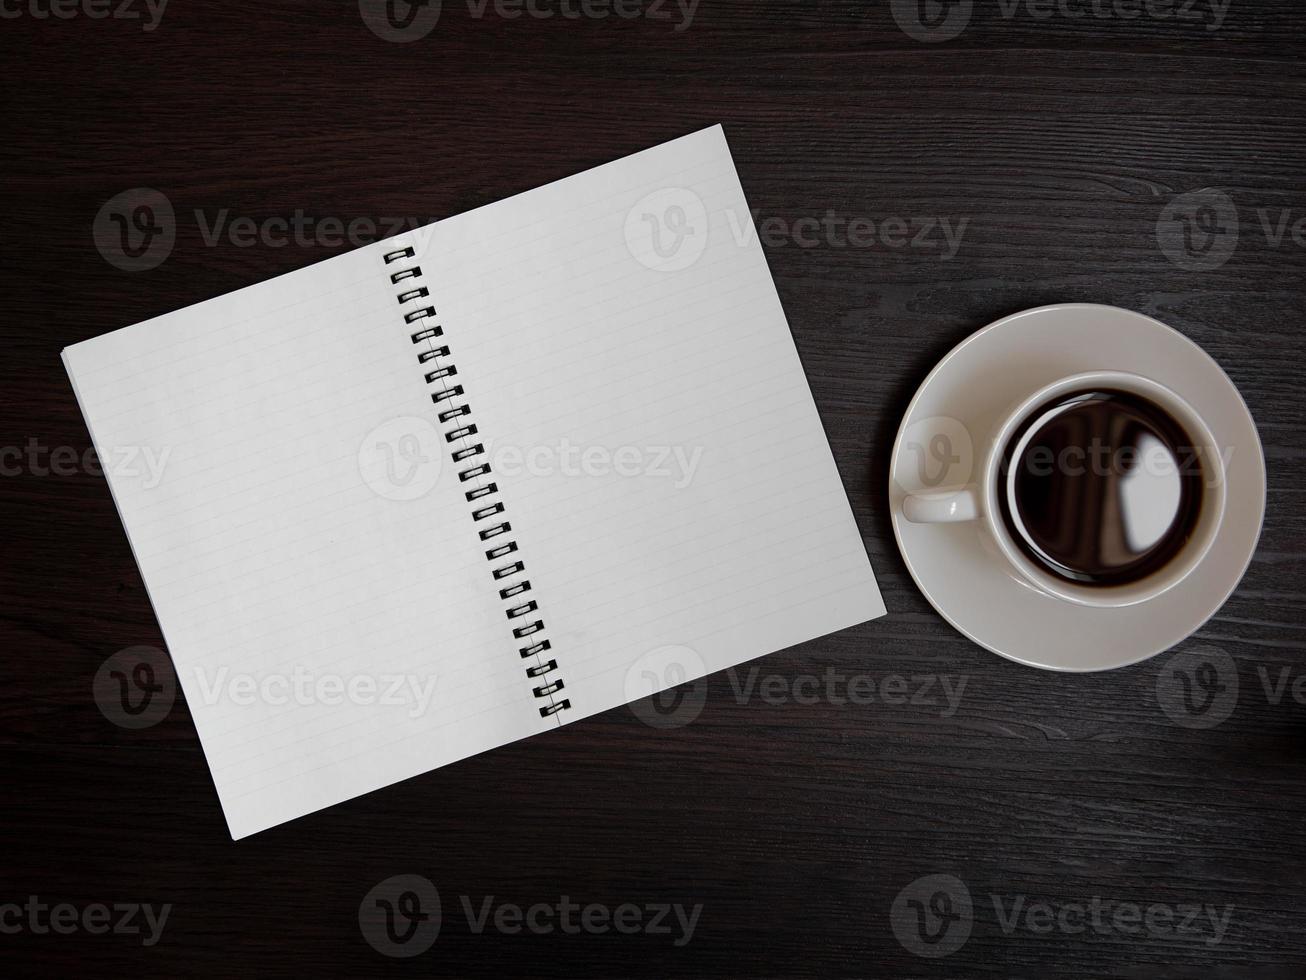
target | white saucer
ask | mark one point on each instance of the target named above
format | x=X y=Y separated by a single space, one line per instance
x=959 y=567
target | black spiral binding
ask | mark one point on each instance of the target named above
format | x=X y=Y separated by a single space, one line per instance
x=453 y=411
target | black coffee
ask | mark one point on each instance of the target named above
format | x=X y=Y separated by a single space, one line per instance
x=1106 y=491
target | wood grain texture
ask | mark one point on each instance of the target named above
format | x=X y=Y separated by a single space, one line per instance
x=1059 y=141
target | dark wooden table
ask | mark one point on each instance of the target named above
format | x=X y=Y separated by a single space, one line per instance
x=1081 y=818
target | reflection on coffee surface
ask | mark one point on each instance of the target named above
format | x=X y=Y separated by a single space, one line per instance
x=1101 y=487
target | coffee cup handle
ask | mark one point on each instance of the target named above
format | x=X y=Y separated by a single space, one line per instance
x=953 y=507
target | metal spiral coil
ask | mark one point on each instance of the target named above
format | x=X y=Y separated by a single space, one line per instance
x=456 y=413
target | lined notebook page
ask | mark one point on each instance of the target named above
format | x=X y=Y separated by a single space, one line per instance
x=323 y=596
x=632 y=373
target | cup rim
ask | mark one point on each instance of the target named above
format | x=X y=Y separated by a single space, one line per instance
x=1130 y=593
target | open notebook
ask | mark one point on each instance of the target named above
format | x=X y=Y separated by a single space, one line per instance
x=476 y=481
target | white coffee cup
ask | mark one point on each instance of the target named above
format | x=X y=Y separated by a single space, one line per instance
x=980 y=501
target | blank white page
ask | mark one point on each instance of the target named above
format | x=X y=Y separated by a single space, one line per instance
x=632 y=373
x=324 y=598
